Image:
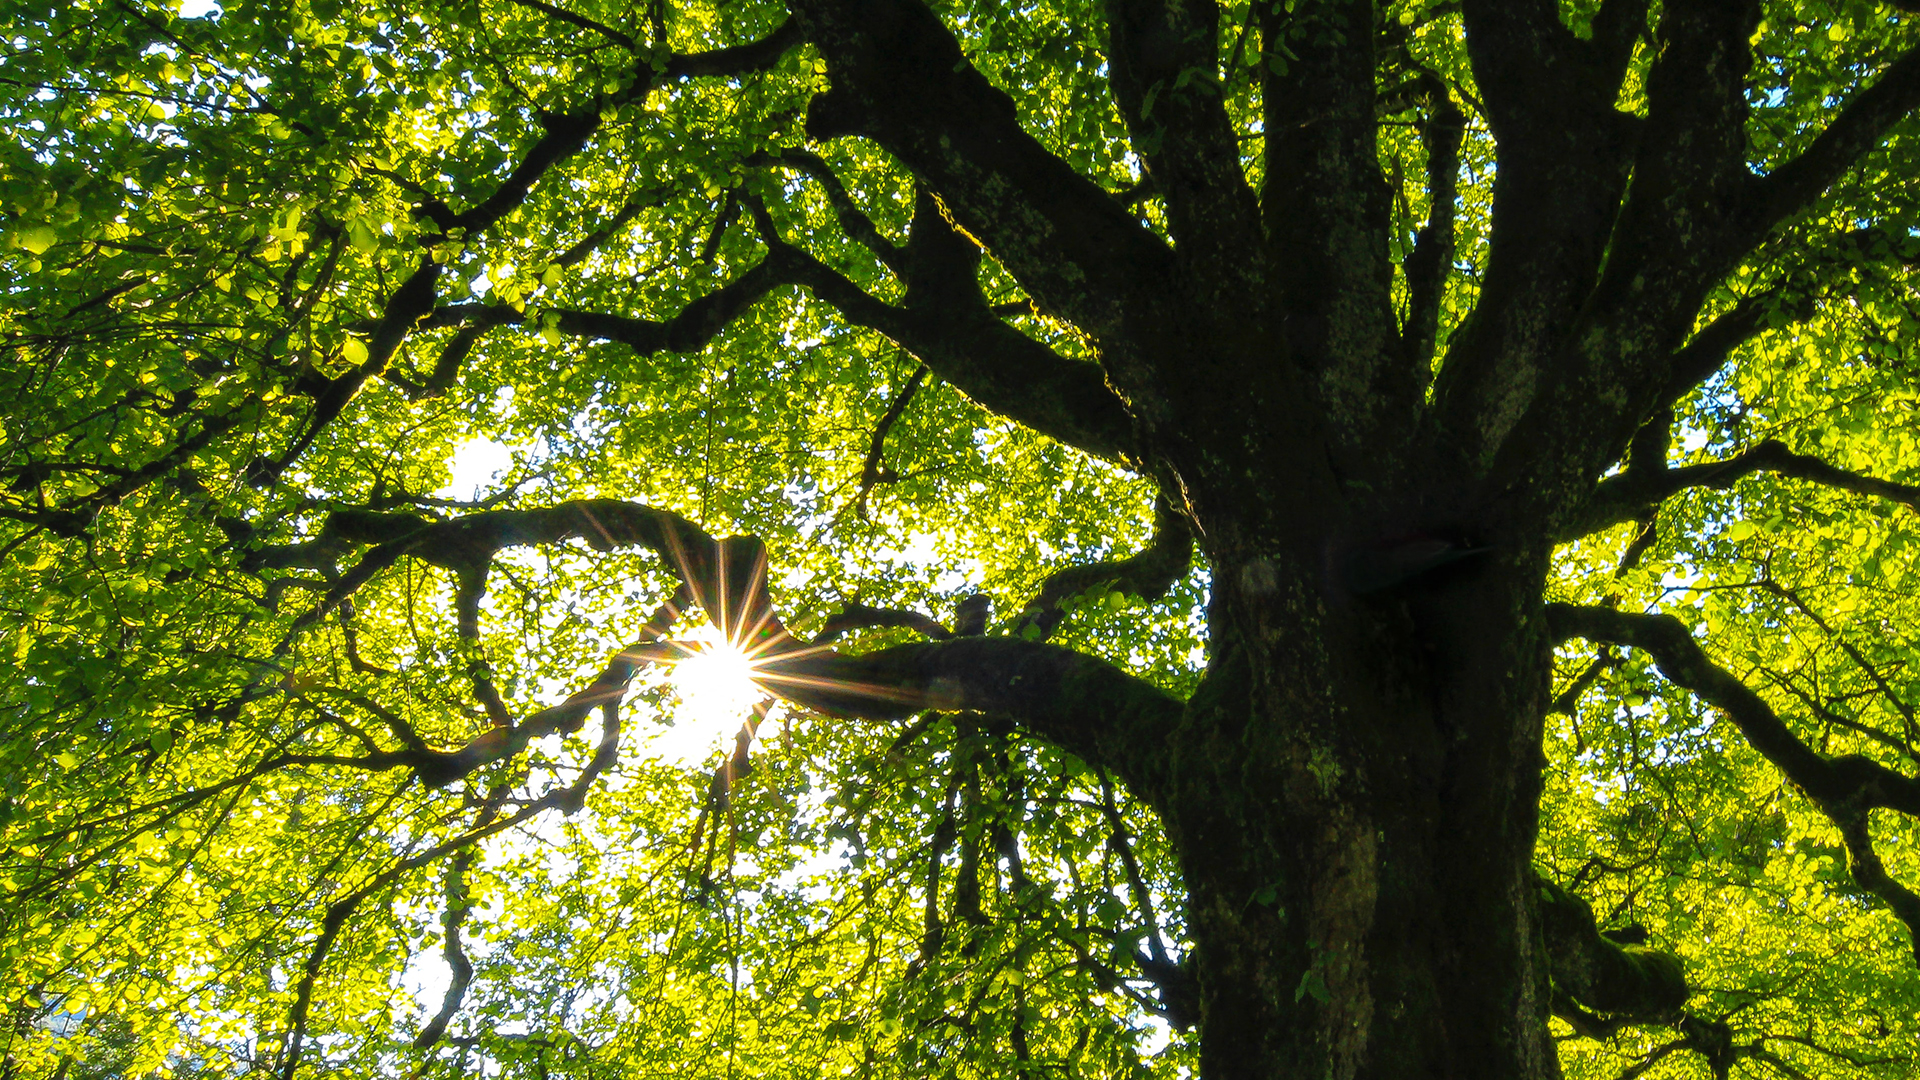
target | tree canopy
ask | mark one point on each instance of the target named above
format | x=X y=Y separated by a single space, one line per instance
x=1111 y=429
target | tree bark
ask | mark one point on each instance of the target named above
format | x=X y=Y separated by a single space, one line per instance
x=1353 y=794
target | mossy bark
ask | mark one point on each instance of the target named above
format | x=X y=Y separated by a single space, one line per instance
x=1354 y=797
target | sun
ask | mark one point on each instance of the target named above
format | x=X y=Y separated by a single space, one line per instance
x=716 y=679
x=714 y=692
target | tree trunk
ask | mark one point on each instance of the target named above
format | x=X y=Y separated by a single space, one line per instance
x=1354 y=796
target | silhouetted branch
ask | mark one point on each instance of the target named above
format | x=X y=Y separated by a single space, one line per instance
x=1858 y=128
x=1147 y=575
x=854 y=221
x=1637 y=491
x=1846 y=788
x=871 y=471
x=855 y=616
x=1002 y=369
x=584 y=23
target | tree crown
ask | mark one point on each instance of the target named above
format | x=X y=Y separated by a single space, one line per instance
x=396 y=383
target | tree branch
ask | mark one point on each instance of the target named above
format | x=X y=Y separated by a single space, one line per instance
x=1789 y=298
x=568 y=799
x=688 y=331
x=1327 y=212
x=725 y=577
x=1709 y=348
x=1003 y=370
x=1859 y=127
x=1564 y=156
x=1633 y=983
x=1845 y=788
x=1082 y=704
x=1871 y=874
x=861 y=617
x=872 y=471
x=744 y=59
x=1147 y=575
x=565 y=134
x=853 y=220
x=1175 y=981
x=1163 y=63
x=584 y=23
x=1639 y=490
x=1523 y=61
x=1431 y=260
x=411 y=302
x=1860 y=660
x=900 y=78
x=459 y=902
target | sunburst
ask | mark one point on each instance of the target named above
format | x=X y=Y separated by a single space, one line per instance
x=713 y=684
x=714 y=680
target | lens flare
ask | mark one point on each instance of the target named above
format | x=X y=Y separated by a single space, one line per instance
x=717 y=679
x=714 y=692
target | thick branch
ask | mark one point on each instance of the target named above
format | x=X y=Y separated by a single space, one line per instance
x=1826 y=263
x=1871 y=874
x=1564 y=155
x=688 y=331
x=1523 y=61
x=852 y=219
x=1163 y=64
x=745 y=59
x=899 y=77
x=1707 y=351
x=566 y=133
x=727 y=579
x=1327 y=211
x=997 y=366
x=1431 y=260
x=1691 y=214
x=411 y=302
x=1862 y=123
x=1083 y=704
x=1627 y=981
x=720 y=572
x=852 y=617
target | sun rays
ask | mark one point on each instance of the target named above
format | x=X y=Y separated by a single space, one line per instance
x=714 y=678
x=725 y=674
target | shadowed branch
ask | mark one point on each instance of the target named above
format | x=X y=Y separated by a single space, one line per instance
x=1637 y=491
x=1147 y=575
x=1847 y=789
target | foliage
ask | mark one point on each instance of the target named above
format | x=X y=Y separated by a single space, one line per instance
x=278 y=264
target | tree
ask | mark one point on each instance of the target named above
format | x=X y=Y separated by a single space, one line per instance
x=1282 y=539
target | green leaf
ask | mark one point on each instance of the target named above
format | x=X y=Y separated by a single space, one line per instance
x=37 y=239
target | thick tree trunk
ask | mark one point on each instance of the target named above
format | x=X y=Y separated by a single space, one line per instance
x=1354 y=795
